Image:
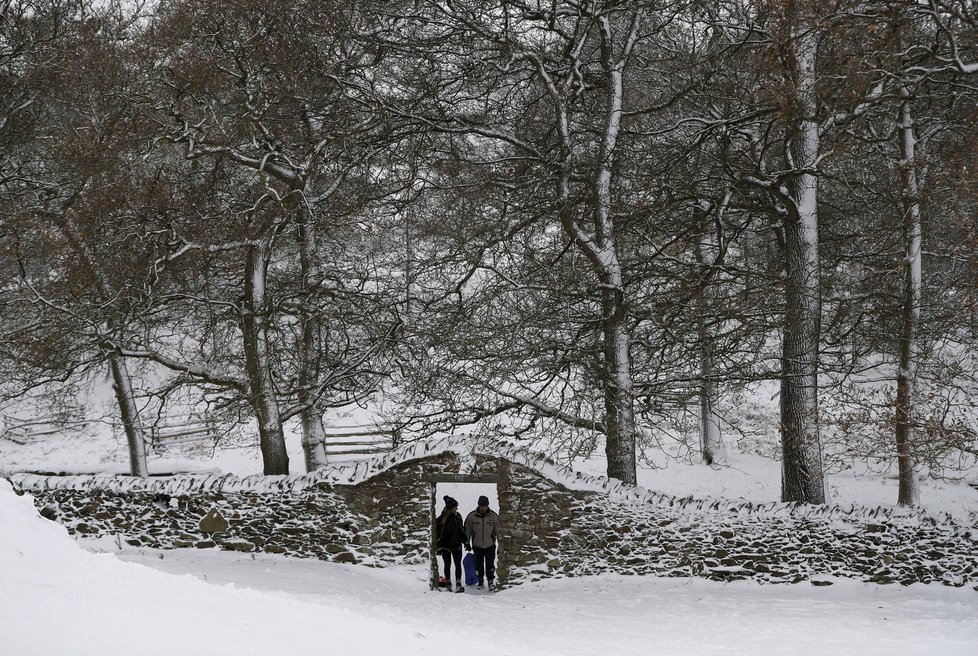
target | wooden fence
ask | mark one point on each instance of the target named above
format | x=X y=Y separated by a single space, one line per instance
x=21 y=430
x=343 y=441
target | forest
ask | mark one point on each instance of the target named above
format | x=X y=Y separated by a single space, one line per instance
x=570 y=224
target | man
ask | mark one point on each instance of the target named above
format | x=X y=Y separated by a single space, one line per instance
x=480 y=532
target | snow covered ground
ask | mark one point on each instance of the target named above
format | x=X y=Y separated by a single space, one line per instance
x=59 y=599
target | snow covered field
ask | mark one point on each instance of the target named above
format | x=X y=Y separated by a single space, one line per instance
x=58 y=599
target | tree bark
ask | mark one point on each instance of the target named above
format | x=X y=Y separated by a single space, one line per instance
x=909 y=492
x=618 y=388
x=803 y=478
x=618 y=384
x=122 y=385
x=261 y=387
x=313 y=432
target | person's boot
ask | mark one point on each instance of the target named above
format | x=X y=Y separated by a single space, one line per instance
x=448 y=586
x=492 y=586
x=458 y=587
x=481 y=585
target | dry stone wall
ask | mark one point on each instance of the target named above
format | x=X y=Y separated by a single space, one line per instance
x=380 y=515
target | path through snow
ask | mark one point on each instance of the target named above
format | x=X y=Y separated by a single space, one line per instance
x=619 y=614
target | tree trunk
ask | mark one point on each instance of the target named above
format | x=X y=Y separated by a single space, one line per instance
x=618 y=386
x=313 y=433
x=618 y=389
x=254 y=327
x=711 y=446
x=713 y=451
x=122 y=384
x=909 y=493
x=803 y=477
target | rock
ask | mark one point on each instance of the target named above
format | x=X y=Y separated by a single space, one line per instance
x=182 y=544
x=334 y=548
x=553 y=563
x=726 y=535
x=819 y=583
x=213 y=522
x=84 y=529
x=206 y=544
x=275 y=549
x=238 y=545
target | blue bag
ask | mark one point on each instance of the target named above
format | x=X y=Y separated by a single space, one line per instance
x=468 y=564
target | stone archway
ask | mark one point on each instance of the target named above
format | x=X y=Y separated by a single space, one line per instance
x=433 y=480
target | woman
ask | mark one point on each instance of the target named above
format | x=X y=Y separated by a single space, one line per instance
x=450 y=538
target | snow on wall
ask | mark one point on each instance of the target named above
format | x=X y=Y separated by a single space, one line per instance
x=464 y=447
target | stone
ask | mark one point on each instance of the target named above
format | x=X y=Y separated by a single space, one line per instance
x=206 y=544
x=238 y=545
x=213 y=522
x=553 y=563
x=275 y=549
x=334 y=548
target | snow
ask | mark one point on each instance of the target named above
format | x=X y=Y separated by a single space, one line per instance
x=59 y=599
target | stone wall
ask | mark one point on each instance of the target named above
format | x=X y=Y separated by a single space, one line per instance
x=381 y=515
